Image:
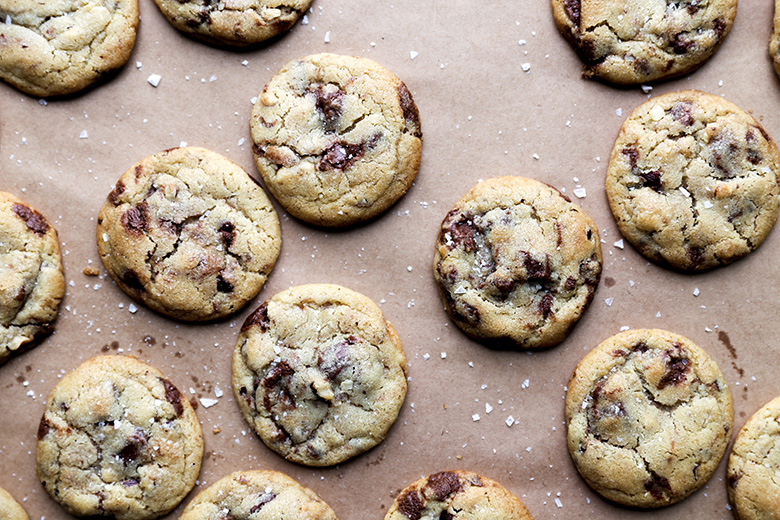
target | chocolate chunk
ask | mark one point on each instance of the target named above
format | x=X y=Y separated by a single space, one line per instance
x=719 y=27
x=118 y=190
x=536 y=270
x=572 y=8
x=335 y=359
x=258 y=318
x=446 y=515
x=570 y=283
x=131 y=280
x=130 y=482
x=462 y=233
x=135 y=219
x=658 y=487
x=734 y=479
x=692 y=9
x=341 y=155
x=227 y=234
x=642 y=65
x=545 y=305
x=441 y=485
x=132 y=450
x=676 y=368
x=329 y=106
x=43 y=428
x=173 y=396
x=632 y=154
x=681 y=44
x=696 y=256
x=264 y=499
x=468 y=313
x=753 y=154
x=411 y=505
x=277 y=384
x=34 y=220
x=223 y=285
x=651 y=179
x=409 y=109
x=683 y=112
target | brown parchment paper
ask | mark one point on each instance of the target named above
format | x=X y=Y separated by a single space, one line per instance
x=483 y=115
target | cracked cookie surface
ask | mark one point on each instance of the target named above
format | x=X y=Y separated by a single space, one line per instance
x=31 y=280
x=233 y=22
x=60 y=47
x=118 y=439
x=337 y=139
x=649 y=416
x=257 y=495
x=634 y=42
x=692 y=181
x=461 y=495
x=754 y=466
x=517 y=261
x=189 y=233
x=319 y=374
x=10 y=508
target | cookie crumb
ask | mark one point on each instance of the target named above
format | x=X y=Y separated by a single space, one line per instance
x=91 y=271
x=216 y=430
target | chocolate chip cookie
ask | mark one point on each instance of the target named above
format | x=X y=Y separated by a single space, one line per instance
x=189 y=233
x=235 y=24
x=337 y=139
x=649 y=416
x=259 y=495
x=635 y=42
x=9 y=508
x=319 y=374
x=31 y=281
x=56 y=48
x=516 y=261
x=754 y=466
x=774 y=41
x=118 y=439
x=692 y=181
x=464 y=495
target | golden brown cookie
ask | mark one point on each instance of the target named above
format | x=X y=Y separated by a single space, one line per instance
x=118 y=439
x=516 y=261
x=319 y=374
x=649 y=416
x=9 y=508
x=692 y=181
x=337 y=139
x=189 y=233
x=31 y=281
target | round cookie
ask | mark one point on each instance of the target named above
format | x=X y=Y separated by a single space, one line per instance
x=31 y=281
x=9 y=508
x=464 y=495
x=233 y=23
x=635 y=42
x=516 y=261
x=774 y=41
x=56 y=48
x=337 y=139
x=118 y=439
x=754 y=466
x=319 y=374
x=259 y=495
x=692 y=181
x=189 y=233
x=649 y=416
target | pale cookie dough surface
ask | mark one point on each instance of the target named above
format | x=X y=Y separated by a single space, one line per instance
x=62 y=46
x=516 y=261
x=754 y=466
x=10 y=508
x=31 y=280
x=649 y=416
x=189 y=233
x=337 y=139
x=233 y=22
x=257 y=495
x=118 y=439
x=774 y=41
x=319 y=374
x=457 y=495
x=692 y=181
x=645 y=40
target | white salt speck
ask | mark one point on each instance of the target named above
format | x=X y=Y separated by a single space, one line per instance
x=83 y=134
x=609 y=301
x=510 y=421
x=707 y=204
x=535 y=156
x=426 y=356
x=696 y=291
x=658 y=314
x=212 y=79
x=488 y=408
x=105 y=237
x=631 y=283
x=253 y=100
x=241 y=141
x=646 y=88
x=305 y=20
x=154 y=79
x=624 y=328
x=327 y=37
x=8 y=19
x=475 y=417
x=132 y=308
x=580 y=193
x=42 y=102
x=444 y=355
x=619 y=244
x=685 y=192
x=208 y=403
x=372 y=44
x=619 y=112
x=245 y=63
x=409 y=268
x=218 y=391
x=138 y=65
x=720 y=83
x=413 y=54
x=526 y=383
x=526 y=67
x=558 y=502
x=521 y=43
x=182 y=144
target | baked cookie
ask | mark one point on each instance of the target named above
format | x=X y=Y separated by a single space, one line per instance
x=31 y=281
x=9 y=508
x=233 y=23
x=457 y=494
x=258 y=495
x=56 y=48
x=774 y=41
x=754 y=466
x=635 y=42
x=189 y=233
x=118 y=439
x=649 y=416
x=517 y=261
x=337 y=139
x=319 y=374
x=692 y=181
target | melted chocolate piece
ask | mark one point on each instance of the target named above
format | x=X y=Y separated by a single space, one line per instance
x=43 y=428
x=681 y=44
x=632 y=154
x=572 y=8
x=131 y=280
x=651 y=179
x=223 y=285
x=118 y=190
x=132 y=450
x=227 y=234
x=658 y=487
x=441 y=485
x=734 y=479
x=411 y=505
x=536 y=270
x=720 y=27
x=683 y=112
x=34 y=220
x=462 y=233
x=545 y=305
x=409 y=108
x=696 y=256
x=258 y=318
x=277 y=381
x=173 y=396
x=264 y=499
x=335 y=359
x=676 y=369
x=469 y=314
x=329 y=106
x=135 y=219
